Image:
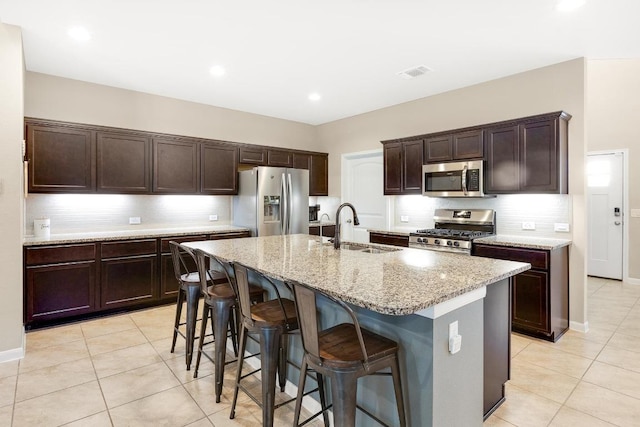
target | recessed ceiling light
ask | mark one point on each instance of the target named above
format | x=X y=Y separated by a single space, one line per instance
x=569 y=5
x=217 y=71
x=314 y=96
x=80 y=34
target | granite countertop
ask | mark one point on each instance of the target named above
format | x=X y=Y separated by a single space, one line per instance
x=97 y=236
x=395 y=231
x=324 y=223
x=544 y=243
x=401 y=282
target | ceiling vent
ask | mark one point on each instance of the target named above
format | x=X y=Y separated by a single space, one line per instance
x=413 y=72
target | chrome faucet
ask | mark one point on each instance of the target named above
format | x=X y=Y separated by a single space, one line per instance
x=336 y=239
x=322 y=216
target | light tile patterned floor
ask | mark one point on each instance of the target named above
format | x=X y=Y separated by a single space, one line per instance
x=118 y=371
x=590 y=379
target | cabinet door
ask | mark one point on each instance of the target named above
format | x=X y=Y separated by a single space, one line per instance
x=123 y=163
x=502 y=154
x=62 y=290
x=438 y=149
x=175 y=166
x=412 y=152
x=253 y=155
x=128 y=281
x=530 y=301
x=388 y=239
x=392 y=168
x=539 y=157
x=301 y=161
x=280 y=158
x=60 y=159
x=219 y=167
x=319 y=175
x=468 y=145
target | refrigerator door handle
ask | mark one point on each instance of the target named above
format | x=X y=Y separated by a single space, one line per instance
x=289 y=202
x=283 y=205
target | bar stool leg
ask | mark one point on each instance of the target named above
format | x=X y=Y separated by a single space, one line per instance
x=206 y=310
x=243 y=345
x=397 y=386
x=220 y=325
x=301 y=383
x=282 y=361
x=178 y=314
x=343 y=391
x=323 y=402
x=193 y=294
x=269 y=350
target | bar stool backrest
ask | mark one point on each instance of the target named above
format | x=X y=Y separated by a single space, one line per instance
x=242 y=285
x=305 y=298
x=180 y=255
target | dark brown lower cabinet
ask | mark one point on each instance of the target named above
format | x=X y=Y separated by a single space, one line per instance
x=389 y=239
x=69 y=281
x=540 y=296
x=327 y=230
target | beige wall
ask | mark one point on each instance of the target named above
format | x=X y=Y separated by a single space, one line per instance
x=613 y=109
x=57 y=98
x=11 y=202
x=553 y=88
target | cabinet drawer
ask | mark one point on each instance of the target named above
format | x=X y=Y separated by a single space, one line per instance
x=164 y=242
x=234 y=235
x=537 y=259
x=129 y=248
x=60 y=254
x=388 y=239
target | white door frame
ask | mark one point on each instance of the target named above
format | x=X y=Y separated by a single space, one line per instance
x=625 y=211
x=344 y=179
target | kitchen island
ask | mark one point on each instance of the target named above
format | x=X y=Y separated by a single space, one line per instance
x=409 y=295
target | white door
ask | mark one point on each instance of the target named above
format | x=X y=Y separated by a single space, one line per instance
x=362 y=187
x=605 y=214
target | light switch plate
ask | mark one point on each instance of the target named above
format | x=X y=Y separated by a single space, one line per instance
x=561 y=227
x=134 y=220
x=528 y=225
x=635 y=213
x=404 y=218
x=213 y=217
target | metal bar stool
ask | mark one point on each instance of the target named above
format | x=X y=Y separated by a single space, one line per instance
x=220 y=302
x=188 y=279
x=272 y=320
x=344 y=353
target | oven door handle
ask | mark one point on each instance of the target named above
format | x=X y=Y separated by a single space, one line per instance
x=464 y=180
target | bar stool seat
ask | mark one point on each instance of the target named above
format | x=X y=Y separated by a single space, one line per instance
x=344 y=353
x=220 y=304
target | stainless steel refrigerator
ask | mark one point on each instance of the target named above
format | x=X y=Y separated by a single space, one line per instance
x=272 y=201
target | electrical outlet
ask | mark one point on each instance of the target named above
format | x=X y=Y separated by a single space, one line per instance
x=213 y=217
x=528 y=225
x=404 y=218
x=561 y=226
x=134 y=220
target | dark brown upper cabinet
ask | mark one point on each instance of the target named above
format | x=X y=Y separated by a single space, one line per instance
x=454 y=146
x=219 y=168
x=301 y=161
x=60 y=158
x=528 y=157
x=319 y=175
x=403 y=167
x=123 y=163
x=175 y=166
x=280 y=158
x=253 y=155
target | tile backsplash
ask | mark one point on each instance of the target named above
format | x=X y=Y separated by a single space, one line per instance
x=511 y=211
x=71 y=213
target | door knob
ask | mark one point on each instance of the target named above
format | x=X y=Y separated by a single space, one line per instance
x=617 y=223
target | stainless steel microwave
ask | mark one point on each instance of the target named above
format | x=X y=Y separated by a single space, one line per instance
x=455 y=179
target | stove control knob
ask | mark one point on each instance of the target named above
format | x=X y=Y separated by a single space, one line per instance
x=456 y=243
x=436 y=242
x=449 y=243
x=420 y=240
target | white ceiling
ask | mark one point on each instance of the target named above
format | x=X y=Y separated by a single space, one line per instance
x=277 y=52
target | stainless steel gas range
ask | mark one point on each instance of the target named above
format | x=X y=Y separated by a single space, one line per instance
x=455 y=229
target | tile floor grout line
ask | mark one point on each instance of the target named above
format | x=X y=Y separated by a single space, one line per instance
x=104 y=399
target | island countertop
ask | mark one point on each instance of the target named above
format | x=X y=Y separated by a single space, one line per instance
x=400 y=282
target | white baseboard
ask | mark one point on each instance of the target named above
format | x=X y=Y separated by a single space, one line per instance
x=580 y=327
x=632 y=281
x=14 y=353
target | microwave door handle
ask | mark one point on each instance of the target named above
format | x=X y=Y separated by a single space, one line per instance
x=464 y=180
